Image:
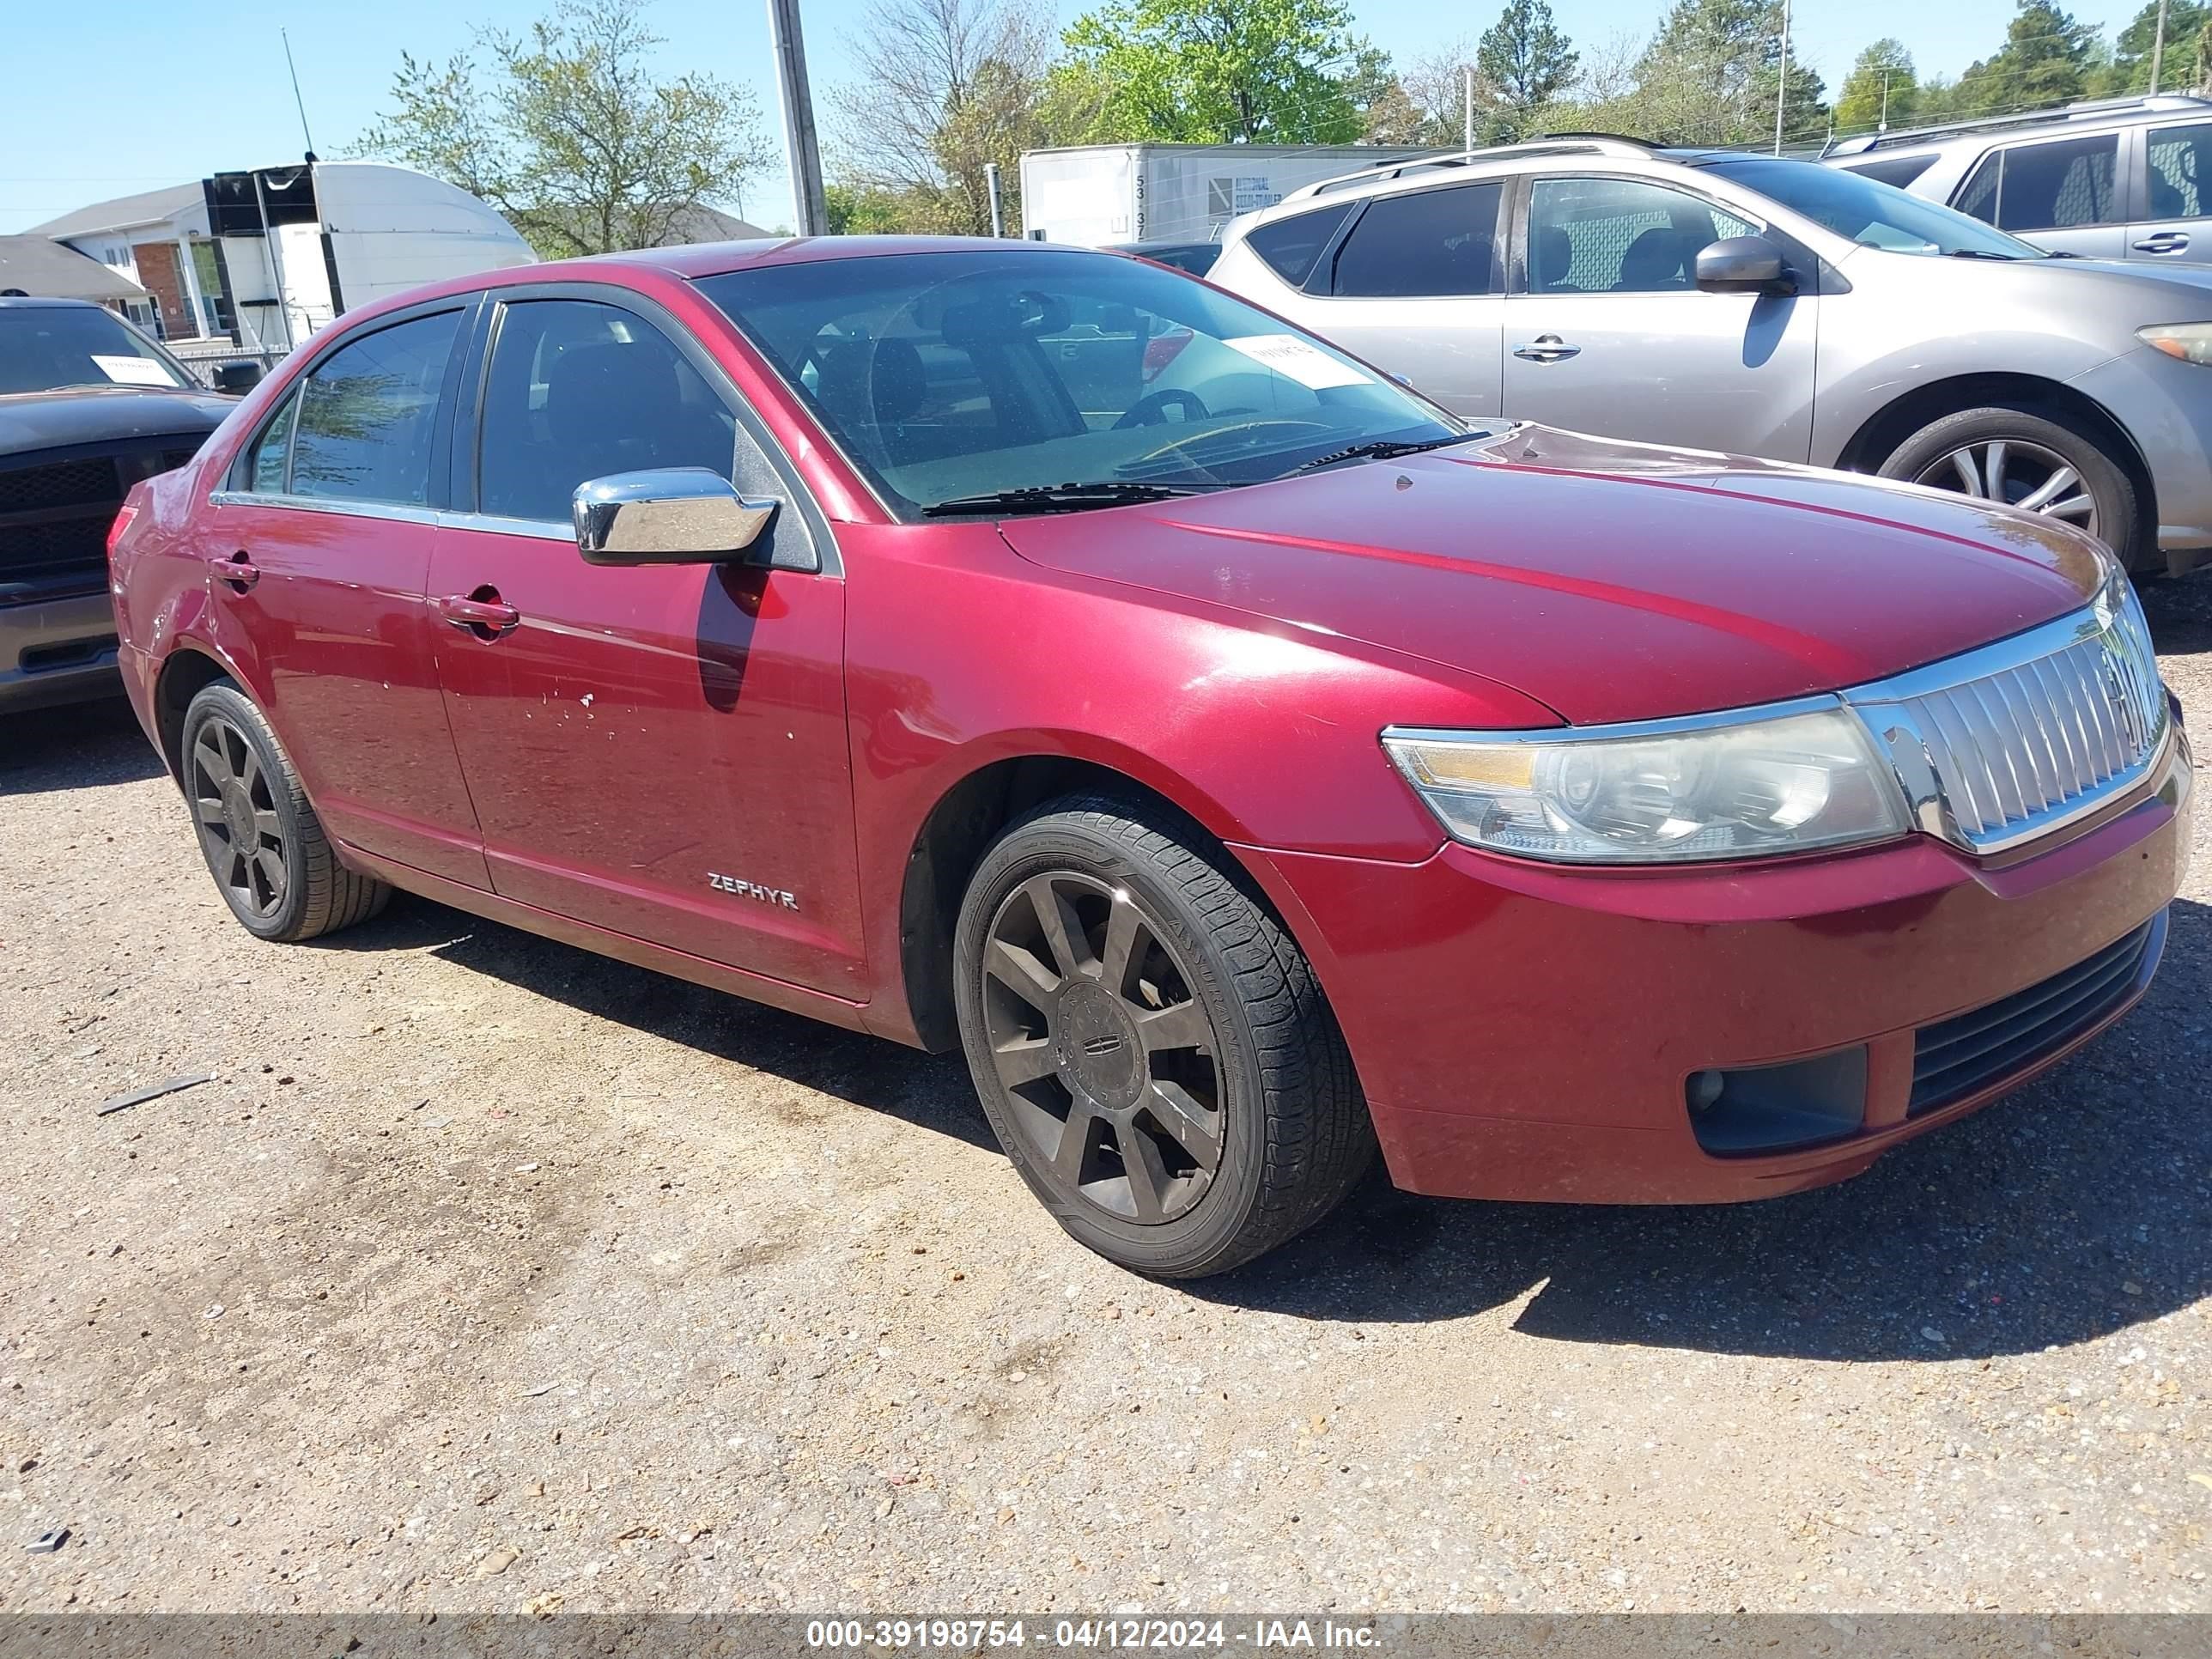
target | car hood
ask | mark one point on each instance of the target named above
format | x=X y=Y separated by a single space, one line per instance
x=1611 y=582
x=91 y=414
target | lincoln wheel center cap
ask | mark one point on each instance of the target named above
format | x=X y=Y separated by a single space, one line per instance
x=237 y=814
x=1095 y=1045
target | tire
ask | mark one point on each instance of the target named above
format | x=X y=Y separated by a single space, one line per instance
x=1183 y=1031
x=241 y=790
x=2033 y=442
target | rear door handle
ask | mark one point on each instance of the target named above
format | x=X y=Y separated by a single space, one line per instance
x=482 y=613
x=1546 y=348
x=237 y=569
x=2164 y=241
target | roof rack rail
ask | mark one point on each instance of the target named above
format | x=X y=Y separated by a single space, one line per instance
x=1586 y=144
x=2086 y=110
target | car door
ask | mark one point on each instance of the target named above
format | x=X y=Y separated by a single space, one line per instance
x=2063 y=194
x=1416 y=288
x=657 y=751
x=1609 y=333
x=322 y=541
x=2176 y=200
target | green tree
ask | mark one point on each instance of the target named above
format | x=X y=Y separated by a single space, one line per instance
x=1880 y=87
x=1527 y=60
x=1712 y=74
x=2130 y=71
x=2044 y=60
x=2201 y=66
x=568 y=130
x=1218 y=71
x=863 y=211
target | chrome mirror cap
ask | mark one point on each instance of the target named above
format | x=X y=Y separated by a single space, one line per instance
x=669 y=515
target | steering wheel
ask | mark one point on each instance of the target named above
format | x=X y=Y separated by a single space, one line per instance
x=1151 y=409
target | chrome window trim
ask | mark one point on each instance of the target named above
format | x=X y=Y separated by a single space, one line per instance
x=393 y=512
x=493 y=524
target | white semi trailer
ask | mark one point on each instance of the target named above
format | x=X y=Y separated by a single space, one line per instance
x=1095 y=195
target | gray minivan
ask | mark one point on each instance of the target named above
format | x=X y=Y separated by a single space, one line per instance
x=2124 y=179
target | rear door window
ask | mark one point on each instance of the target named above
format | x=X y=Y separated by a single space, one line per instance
x=1289 y=246
x=1425 y=244
x=369 y=414
x=2052 y=187
x=2181 y=173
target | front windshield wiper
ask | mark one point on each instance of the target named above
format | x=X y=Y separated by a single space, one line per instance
x=1983 y=254
x=1385 y=450
x=1058 y=498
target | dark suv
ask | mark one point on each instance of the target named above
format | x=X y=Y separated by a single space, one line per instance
x=88 y=406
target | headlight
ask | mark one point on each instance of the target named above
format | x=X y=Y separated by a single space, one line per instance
x=2191 y=341
x=1663 y=792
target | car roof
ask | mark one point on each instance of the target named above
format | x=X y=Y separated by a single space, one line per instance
x=43 y=303
x=2103 y=115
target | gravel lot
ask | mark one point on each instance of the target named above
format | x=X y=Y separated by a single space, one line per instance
x=488 y=1275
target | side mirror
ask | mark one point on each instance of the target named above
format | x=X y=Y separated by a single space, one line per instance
x=672 y=515
x=237 y=379
x=1743 y=265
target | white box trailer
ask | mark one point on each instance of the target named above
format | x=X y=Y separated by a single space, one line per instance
x=1094 y=195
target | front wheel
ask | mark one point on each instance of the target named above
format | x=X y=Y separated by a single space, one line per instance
x=1150 y=1045
x=2034 y=462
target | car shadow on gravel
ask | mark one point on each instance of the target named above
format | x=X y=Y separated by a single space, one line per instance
x=74 y=748
x=2079 y=1207
x=2180 y=613
x=929 y=1091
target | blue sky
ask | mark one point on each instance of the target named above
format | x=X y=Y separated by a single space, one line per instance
x=99 y=104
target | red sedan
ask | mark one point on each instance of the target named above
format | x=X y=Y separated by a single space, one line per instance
x=1243 y=762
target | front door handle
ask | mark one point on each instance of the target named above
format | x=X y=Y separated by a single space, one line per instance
x=237 y=569
x=482 y=613
x=2164 y=241
x=1547 y=349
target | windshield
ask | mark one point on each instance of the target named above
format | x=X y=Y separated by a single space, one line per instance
x=1871 y=213
x=46 y=347
x=948 y=377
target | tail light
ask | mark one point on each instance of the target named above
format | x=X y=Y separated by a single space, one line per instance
x=1163 y=348
x=123 y=518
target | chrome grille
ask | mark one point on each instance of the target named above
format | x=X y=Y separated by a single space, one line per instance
x=2010 y=742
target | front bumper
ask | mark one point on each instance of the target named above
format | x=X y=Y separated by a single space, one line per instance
x=57 y=651
x=1530 y=1032
x=2166 y=406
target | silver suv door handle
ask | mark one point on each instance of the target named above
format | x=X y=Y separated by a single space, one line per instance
x=1546 y=348
x=2164 y=242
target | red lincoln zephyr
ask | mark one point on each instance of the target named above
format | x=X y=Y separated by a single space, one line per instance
x=1244 y=762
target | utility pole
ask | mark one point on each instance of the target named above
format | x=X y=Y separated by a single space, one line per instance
x=285 y=35
x=991 y=184
x=1781 y=85
x=1883 y=125
x=1467 y=72
x=798 y=104
x=2158 y=48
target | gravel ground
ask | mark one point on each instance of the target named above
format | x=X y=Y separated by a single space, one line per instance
x=488 y=1274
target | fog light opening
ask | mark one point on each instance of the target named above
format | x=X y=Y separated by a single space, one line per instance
x=1740 y=1110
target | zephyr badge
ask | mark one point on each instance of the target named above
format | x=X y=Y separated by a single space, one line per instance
x=751 y=890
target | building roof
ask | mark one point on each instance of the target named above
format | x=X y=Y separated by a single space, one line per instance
x=149 y=207
x=700 y=223
x=49 y=270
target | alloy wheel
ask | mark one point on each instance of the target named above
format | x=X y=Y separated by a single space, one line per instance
x=1107 y=1064
x=236 y=815
x=2019 y=473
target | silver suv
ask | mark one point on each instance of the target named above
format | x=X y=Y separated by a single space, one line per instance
x=2126 y=179
x=1763 y=306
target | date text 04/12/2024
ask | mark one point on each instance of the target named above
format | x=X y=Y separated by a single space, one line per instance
x=1095 y=1634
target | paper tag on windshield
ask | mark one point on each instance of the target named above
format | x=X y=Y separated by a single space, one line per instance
x=132 y=371
x=1307 y=365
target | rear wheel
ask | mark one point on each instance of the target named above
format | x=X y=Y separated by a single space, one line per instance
x=262 y=844
x=1150 y=1045
x=2039 y=462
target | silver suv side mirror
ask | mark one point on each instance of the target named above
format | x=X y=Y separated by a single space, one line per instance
x=1743 y=265
x=670 y=515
